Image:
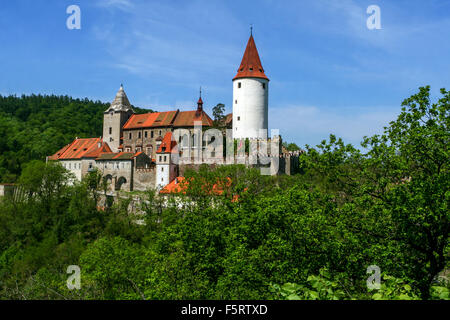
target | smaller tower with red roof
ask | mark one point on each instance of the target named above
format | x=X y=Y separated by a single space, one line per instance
x=166 y=169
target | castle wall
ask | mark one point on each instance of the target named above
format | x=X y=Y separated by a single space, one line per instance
x=144 y=179
x=120 y=173
x=148 y=145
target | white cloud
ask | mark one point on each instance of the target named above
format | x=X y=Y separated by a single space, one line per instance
x=120 y=4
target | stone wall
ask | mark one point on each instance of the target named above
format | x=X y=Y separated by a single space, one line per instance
x=144 y=179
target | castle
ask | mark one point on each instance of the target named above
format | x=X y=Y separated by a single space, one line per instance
x=139 y=151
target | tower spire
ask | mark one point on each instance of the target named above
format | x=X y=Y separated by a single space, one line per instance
x=200 y=102
x=251 y=66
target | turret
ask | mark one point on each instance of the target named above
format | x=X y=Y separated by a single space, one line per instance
x=166 y=169
x=114 y=119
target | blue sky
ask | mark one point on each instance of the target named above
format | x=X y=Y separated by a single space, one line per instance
x=329 y=73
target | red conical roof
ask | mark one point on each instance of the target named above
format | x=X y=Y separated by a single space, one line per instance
x=251 y=64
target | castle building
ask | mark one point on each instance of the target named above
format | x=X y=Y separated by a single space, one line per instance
x=137 y=150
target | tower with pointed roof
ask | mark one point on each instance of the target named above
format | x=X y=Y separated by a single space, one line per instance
x=114 y=119
x=250 y=96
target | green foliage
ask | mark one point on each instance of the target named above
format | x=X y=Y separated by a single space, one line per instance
x=291 y=146
x=235 y=234
x=218 y=114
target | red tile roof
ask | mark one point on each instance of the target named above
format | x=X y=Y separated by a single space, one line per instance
x=177 y=185
x=170 y=118
x=167 y=143
x=118 y=156
x=187 y=119
x=82 y=148
x=251 y=64
x=148 y=120
x=104 y=148
x=180 y=185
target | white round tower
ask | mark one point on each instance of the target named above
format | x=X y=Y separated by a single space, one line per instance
x=250 y=96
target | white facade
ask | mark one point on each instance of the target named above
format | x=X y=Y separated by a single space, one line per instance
x=250 y=107
x=74 y=166
x=162 y=175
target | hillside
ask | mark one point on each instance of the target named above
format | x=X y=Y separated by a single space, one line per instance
x=35 y=126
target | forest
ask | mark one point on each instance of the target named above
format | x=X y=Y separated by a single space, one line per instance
x=309 y=236
x=33 y=127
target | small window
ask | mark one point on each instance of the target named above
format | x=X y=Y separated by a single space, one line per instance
x=251 y=69
x=239 y=118
x=146 y=134
x=160 y=158
x=139 y=135
x=151 y=134
x=165 y=158
x=162 y=169
x=264 y=86
x=235 y=101
x=110 y=139
x=130 y=136
x=239 y=84
x=159 y=132
x=110 y=130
